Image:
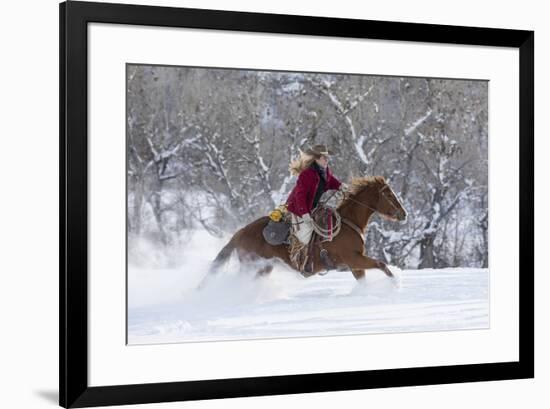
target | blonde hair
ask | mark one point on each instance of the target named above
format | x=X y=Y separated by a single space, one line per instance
x=299 y=164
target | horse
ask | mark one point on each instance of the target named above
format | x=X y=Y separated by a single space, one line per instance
x=366 y=196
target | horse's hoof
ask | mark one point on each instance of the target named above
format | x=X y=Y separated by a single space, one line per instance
x=388 y=272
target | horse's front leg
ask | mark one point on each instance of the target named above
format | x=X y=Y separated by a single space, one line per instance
x=358 y=273
x=362 y=262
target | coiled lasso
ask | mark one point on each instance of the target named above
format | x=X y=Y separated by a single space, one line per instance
x=326 y=233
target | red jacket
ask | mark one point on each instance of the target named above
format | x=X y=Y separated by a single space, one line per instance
x=300 y=200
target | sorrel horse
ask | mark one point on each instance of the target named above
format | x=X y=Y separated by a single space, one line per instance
x=366 y=196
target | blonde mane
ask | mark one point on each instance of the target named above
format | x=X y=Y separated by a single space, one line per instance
x=357 y=185
x=299 y=164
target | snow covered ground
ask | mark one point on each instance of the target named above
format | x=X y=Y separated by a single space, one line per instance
x=164 y=305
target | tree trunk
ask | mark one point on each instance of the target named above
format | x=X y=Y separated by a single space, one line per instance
x=156 y=205
x=427 y=258
x=138 y=204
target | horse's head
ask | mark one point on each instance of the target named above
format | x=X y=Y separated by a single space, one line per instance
x=374 y=193
x=389 y=205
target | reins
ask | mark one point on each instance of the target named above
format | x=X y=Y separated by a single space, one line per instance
x=361 y=203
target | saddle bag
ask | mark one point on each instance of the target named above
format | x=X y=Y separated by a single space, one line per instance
x=276 y=233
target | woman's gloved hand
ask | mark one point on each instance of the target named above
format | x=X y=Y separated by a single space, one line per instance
x=342 y=190
x=344 y=187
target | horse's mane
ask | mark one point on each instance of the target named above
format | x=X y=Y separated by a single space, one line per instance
x=357 y=185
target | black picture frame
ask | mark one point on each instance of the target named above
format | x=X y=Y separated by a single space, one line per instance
x=73 y=349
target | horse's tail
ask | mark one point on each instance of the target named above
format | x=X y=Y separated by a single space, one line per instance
x=223 y=255
x=219 y=261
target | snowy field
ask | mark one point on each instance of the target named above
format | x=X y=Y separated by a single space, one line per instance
x=164 y=305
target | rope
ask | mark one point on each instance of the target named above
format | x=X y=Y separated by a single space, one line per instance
x=326 y=233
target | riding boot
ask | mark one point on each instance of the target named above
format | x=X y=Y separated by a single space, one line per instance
x=308 y=267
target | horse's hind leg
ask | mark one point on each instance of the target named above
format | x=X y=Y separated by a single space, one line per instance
x=264 y=271
x=249 y=260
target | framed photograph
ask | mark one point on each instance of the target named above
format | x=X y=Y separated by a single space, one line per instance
x=258 y=204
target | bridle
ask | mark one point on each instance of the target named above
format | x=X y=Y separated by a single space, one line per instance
x=381 y=191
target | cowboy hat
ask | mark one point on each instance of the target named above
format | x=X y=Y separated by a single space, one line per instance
x=319 y=150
